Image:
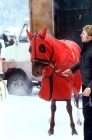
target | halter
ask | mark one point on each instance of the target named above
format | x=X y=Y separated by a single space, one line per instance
x=35 y=59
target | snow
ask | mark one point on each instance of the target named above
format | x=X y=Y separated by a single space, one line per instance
x=27 y=118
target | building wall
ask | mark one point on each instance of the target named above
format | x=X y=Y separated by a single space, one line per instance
x=41 y=14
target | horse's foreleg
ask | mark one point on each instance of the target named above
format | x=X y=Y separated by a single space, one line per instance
x=52 y=122
x=69 y=110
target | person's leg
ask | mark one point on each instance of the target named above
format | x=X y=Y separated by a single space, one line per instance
x=87 y=113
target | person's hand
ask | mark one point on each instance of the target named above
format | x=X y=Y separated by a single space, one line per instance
x=86 y=92
x=67 y=72
x=6 y=42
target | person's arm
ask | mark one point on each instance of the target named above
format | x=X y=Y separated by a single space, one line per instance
x=9 y=43
x=6 y=44
x=75 y=67
x=71 y=70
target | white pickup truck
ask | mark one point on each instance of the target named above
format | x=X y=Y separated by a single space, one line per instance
x=17 y=65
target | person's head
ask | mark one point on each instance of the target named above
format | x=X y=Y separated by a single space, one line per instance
x=86 y=34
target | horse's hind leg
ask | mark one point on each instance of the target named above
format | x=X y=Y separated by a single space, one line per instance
x=69 y=110
x=76 y=98
x=52 y=122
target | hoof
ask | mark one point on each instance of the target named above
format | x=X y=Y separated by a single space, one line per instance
x=50 y=132
x=74 y=133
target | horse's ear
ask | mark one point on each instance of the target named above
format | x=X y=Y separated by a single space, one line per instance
x=29 y=34
x=43 y=33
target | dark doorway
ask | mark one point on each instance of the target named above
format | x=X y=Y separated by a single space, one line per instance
x=69 y=18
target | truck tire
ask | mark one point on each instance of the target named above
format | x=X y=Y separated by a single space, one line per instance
x=19 y=84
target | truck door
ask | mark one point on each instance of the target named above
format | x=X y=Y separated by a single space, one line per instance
x=21 y=50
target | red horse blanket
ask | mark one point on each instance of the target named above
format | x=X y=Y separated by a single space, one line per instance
x=61 y=54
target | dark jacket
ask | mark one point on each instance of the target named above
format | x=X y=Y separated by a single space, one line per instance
x=11 y=42
x=85 y=64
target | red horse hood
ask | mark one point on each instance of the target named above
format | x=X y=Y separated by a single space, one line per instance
x=41 y=48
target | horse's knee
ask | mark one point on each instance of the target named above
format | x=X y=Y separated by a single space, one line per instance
x=69 y=106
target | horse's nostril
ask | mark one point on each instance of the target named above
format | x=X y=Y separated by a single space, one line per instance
x=37 y=73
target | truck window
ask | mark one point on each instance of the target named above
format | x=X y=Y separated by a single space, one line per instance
x=23 y=36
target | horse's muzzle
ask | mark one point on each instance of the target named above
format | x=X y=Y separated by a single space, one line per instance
x=37 y=73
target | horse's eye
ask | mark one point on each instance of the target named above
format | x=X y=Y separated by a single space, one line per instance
x=42 y=48
x=30 y=49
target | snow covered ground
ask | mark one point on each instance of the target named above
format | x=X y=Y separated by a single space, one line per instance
x=26 y=118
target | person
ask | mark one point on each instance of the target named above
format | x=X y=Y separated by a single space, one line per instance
x=10 y=41
x=2 y=46
x=85 y=66
x=4 y=38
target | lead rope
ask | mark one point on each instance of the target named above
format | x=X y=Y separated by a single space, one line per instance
x=77 y=99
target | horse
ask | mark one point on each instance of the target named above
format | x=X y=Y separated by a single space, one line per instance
x=49 y=57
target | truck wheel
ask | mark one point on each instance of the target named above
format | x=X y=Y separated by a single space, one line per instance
x=19 y=84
